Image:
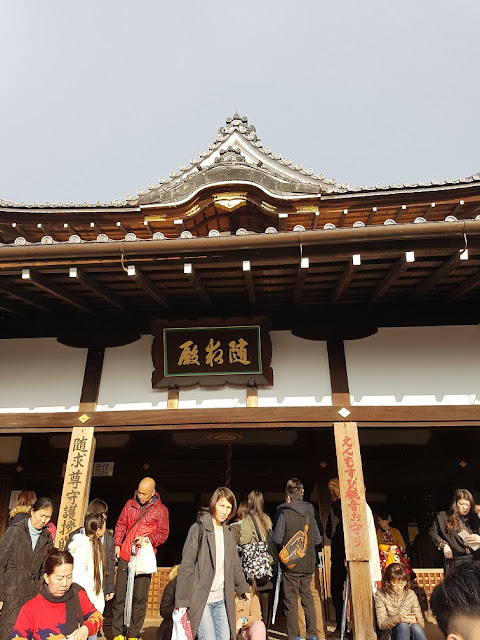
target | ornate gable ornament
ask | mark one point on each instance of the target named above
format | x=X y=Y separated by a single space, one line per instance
x=237 y=156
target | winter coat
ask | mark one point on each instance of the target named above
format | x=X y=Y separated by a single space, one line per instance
x=18 y=514
x=109 y=547
x=153 y=525
x=81 y=549
x=440 y=536
x=293 y=517
x=167 y=605
x=389 y=605
x=21 y=571
x=197 y=571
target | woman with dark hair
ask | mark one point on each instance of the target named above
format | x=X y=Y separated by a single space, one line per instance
x=236 y=523
x=398 y=611
x=334 y=531
x=23 y=507
x=61 y=609
x=456 y=532
x=391 y=544
x=100 y=508
x=89 y=559
x=256 y=526
x=22 y=561
x=210 y=573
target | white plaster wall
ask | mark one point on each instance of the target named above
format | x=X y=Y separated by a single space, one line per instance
x=126 y=379
x=300 y=373
x=415 y=366
x=300 y=369
x=40 y=374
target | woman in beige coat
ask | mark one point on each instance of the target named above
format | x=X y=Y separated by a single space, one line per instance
x=399 y=616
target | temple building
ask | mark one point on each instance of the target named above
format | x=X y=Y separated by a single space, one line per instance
x=243 y=321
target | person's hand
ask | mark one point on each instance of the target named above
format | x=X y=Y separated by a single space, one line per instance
x=473 y=539
x=117 y=551
x=407 y=617
x=1 y=606
x=109 y=596
x=447 y=552
x=79 y=634
x=139 y=540
x=247 y=596
x=239 y=625
x=181 y=611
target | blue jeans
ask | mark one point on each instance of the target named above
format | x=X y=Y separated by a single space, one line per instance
x=406 y=631
x=214 y=623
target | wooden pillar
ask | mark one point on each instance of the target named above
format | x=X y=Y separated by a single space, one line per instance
x=78 y=472
x=252 y=395
x=173 y=397
x=357 y=545
x=76 y=486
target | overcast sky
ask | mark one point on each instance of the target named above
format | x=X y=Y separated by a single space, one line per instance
x=101 y=97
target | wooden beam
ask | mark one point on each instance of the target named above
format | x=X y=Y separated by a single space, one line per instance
x=149 y=287
x=249 y=283
x=398 y=214
x=59 y=292
x=467 y=285
x=91 y=379
x=355 y=527
x=24 y=296
x=434 y=278
x=395 y=272
x=99 y=288
x=370 y=218
x=76 y=485
x=344 y=282
x=337 y=365
x=301 y=275
x=173 y=397
x=8 y=308
x=20 y=231
x=252 y=395
x=198 y=286
x=282 y=223
x=248 y=418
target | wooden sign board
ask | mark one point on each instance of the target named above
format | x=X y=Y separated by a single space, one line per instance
x=76 y=485
x=352 y=490
x=212 y=354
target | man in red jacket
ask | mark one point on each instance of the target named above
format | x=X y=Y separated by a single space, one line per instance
x=145 y=516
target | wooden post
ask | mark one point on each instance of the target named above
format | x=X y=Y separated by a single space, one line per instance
x=357 y=545
x=173 y=397
x=76 y=486
x=252 y=395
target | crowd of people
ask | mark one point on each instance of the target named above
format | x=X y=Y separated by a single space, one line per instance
x=226 y=581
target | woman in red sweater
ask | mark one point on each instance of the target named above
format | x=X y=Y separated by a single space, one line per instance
x=55 y=611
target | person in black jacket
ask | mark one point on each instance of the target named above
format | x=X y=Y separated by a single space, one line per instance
x=456 y=532
x=22 y=562
x=167 y=605
x=99 y=507
x=22 y=509
x=334 y=531
x=294 y=516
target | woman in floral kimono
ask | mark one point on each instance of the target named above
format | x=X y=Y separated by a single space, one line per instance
x=391 y=544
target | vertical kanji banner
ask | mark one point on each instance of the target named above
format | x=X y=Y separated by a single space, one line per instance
x=76 y=485
x=352 y=490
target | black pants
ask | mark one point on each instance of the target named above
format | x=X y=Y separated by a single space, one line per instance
x=139 y=603
x=338 y=575
x=295 y=585
x=266 y=606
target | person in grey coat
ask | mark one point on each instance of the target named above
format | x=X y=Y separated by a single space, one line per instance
x=210 y=572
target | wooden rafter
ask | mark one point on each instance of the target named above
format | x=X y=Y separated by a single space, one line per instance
x=301 y=275
x=439 y=274
x=99 y=288
x=344 y=282
x=395 y=272
x=8 y=308
x=146 y=284
x=249 y=283
x=58 y=291
x=398 y=214
x=197 y=283
x=24 y=296
x=467 y=285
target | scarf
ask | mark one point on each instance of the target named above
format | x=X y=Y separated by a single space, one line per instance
x=72 y=603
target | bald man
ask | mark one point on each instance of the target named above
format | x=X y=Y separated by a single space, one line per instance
x=145 y=516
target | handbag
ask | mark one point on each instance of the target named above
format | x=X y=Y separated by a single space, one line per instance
x=256 y=559
x=181 y=626
x=146 y=559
